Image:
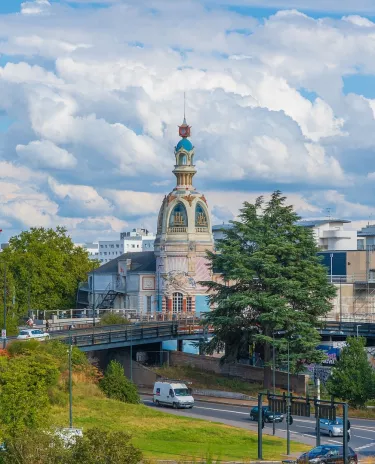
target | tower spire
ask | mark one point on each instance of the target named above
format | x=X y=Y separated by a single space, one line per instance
x=184 y=129
x=184 y=122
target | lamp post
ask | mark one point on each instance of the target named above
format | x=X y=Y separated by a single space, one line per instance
x=93 y=298
x=331 y=256
x=70 y=382
x=5 y=309
x=357 y=329
x=288 y=409
x=273 y=375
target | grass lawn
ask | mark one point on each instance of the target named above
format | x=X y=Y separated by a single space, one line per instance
x=164 y=436
x=209 y=380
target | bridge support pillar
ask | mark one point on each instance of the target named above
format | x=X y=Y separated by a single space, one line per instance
x=180 y=344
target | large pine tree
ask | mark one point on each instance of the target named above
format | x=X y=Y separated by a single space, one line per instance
x=273 y=281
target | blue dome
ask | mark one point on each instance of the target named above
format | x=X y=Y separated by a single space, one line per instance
x=185 y=144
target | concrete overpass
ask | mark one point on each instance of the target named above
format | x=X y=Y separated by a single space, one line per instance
x=109 y=337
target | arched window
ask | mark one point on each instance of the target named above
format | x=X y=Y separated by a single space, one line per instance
x=200 y=216
x=178 y=216
x=177 y=302
x=183 y=159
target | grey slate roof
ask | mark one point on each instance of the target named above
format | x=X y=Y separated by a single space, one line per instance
x=367 y=231
x=141 y=261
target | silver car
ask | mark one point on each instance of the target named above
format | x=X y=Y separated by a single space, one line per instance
x=333 y=428
x=28 y=334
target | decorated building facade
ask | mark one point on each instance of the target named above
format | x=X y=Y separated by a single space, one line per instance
x=169 y=278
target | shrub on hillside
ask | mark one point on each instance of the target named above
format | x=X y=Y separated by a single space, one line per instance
x=113 y=319
x=102 y=447
x=116 y=386
x=95 y=447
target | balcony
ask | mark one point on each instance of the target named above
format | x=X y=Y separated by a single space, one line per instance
x=201 y=230
x=177 y=230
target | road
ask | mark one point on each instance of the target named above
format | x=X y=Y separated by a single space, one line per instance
x=302 y=430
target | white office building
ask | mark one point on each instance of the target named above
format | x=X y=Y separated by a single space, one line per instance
x=130 y=242
x=330 y=234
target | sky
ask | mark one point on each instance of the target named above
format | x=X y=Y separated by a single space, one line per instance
x=280 y=94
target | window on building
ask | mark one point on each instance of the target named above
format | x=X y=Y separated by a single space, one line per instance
x=137 y=246
x=200 y=216
x=189 y=304
x=133 y=246
x=177 y=302
x=101 y=246
x=106 y=246
x=105 y=253
x=178 y=216
x=117 y=245
x=148 y=304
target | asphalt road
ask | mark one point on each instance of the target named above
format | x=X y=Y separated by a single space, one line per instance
x=302 y=429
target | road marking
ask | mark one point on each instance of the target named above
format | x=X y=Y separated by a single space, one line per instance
x=364 y=438
x=335 y=441
x=365 y=446
x=223 y=410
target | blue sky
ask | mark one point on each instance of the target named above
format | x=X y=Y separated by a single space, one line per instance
x=91 y=95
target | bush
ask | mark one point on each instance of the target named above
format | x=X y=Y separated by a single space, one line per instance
x=102 y=447
x=353 y=378
x=113 y=319
x=116 y=386
x=95 y=447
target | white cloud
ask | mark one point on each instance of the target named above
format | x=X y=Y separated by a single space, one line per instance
x=95 y=108
x=80 y=198
x=45 y=154
x=35 y=7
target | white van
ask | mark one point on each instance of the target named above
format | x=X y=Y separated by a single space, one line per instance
x=172 y=393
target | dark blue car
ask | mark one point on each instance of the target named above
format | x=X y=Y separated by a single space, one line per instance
x=327 y=454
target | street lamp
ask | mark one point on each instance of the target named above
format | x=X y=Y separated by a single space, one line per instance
x=357 y=329
x=4 y=334
x=273 y=375
x=331 y=256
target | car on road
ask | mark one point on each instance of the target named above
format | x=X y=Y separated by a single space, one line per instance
x=175 y=394
x=333 y=428
x=28 y=334
x=268 y=415
x=327 y=454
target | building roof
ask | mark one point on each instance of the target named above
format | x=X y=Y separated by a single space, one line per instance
x=319 y=222
x=367 y=231
x=185 y=144
x=222 y=227
x=141 y=261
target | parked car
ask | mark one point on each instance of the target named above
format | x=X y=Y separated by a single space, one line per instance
x=175 y=394
x=268 y=415
x=333 y=428
x=27 y=334
x=327 y=454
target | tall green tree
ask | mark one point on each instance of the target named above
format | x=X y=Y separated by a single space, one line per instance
x=272 y=281
x=353 y=378
x=46 y=268
x=118 y=387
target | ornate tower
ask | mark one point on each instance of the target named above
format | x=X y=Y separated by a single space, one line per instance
x=183 y=237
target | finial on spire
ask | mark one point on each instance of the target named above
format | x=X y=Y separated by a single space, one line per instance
x=184 y=129
x=184 y=122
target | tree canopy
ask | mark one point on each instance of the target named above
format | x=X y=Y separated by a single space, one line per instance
x=272 y=280
x=44 y=268
x=352 y=378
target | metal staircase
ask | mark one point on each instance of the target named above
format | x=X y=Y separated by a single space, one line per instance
x=107 y=299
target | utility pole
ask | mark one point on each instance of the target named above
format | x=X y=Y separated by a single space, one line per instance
x=273 y=377
x=288 y=409
x=131 y=352
x=70 y=383
x=93 y=298
x=5 y=308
